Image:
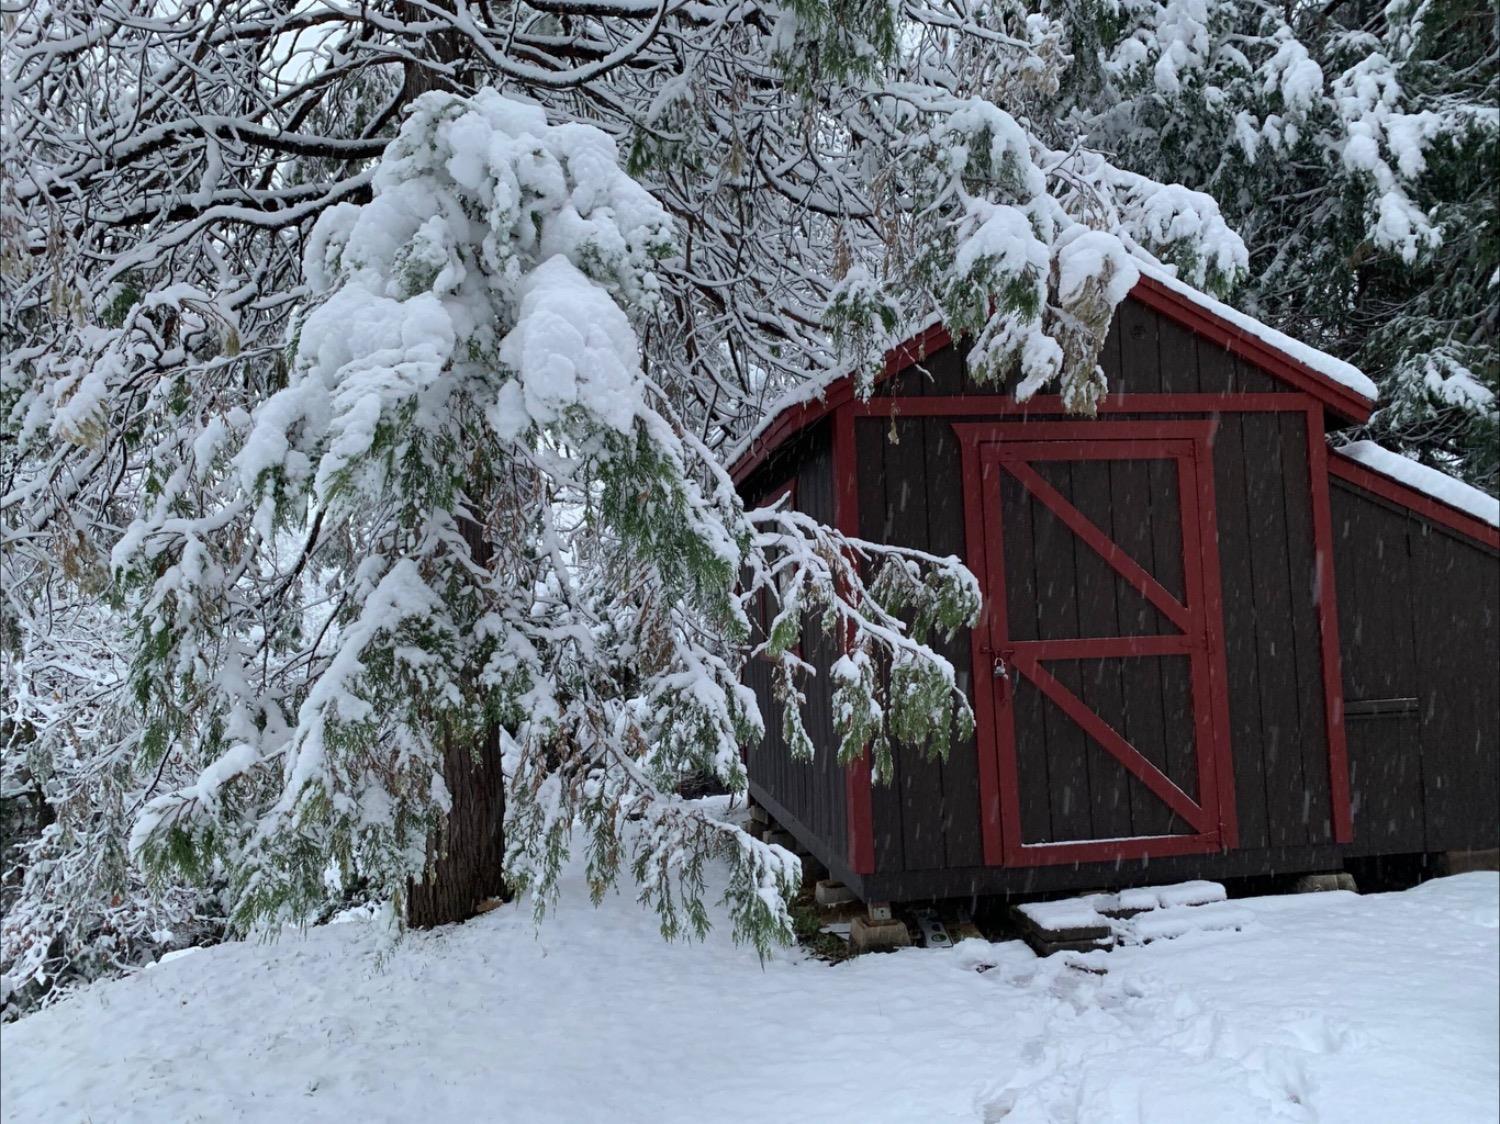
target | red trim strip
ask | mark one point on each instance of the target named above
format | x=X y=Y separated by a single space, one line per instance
x=1212 y=608
x=1102 y=545
x=859 y=812
x=1088 y=433
x=1404 y=495
x=1111 y=742
x=1325 y=597
x=993 y=693
x=1092 y=448
x=982 y=655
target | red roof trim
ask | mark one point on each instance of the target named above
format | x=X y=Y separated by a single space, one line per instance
x=1149 y=292
x=1176 y=307
x=795 y=418
x=1404 y=495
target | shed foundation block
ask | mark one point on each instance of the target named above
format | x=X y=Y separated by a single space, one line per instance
x=878 y=936
x=830 y=893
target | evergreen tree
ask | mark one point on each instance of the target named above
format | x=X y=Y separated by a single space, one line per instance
x=368 y=378
x=1353 y=145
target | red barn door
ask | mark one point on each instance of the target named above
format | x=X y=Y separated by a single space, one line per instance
x=1100 y=661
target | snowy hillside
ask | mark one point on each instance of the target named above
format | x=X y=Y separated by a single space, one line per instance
x=1327 y=1008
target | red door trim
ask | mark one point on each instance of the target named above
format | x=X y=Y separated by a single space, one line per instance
x=858 y=811
x=982 y=656
x=1326 y=599
x=1212 y=600
x=986 y=447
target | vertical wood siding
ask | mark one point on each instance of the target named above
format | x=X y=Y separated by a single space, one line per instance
x=1419 y=618
x=811 y=793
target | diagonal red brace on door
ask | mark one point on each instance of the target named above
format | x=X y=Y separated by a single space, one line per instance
x=1082 y=526
x=1113 y=744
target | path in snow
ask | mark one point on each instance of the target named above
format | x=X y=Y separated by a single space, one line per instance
x=1326 y=1008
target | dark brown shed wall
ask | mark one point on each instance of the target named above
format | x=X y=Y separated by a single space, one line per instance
x=1419 y=618
x=806 y=796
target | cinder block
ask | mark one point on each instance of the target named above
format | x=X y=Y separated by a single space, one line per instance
x=878 y=936
x=828 y=892
x=759 y=815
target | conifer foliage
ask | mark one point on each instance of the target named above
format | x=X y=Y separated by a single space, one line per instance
x=1353 y=145
x=369 y=376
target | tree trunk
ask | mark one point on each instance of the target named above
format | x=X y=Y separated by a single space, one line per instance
x=465 y=860
x=467 y=871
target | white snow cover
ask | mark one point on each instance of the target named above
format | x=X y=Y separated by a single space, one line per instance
x=1429 y=481
x=1164 y=924
x=1198 y=892
x=1072 y=913
x=1322 y=1009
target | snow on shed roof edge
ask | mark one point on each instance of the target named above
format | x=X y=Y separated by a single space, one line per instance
x=1429 y=481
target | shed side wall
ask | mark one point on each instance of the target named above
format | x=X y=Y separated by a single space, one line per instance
x=809 y=793
x=1419 y=619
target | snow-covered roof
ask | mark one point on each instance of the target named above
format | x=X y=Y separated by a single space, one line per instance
x=1429 y=481
x=1345 y=386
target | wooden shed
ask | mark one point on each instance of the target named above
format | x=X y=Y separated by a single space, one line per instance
x=1210 y=647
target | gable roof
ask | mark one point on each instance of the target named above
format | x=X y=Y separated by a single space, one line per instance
x=1345 y=390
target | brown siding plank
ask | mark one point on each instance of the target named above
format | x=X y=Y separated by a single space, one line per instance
x=1281 y=719
x=1298 y=536
x=963 y=845
x=919 y=778
x=1241 y=640
x=875 y=524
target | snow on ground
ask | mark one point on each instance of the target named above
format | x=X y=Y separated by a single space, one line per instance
x=1324 y=1008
